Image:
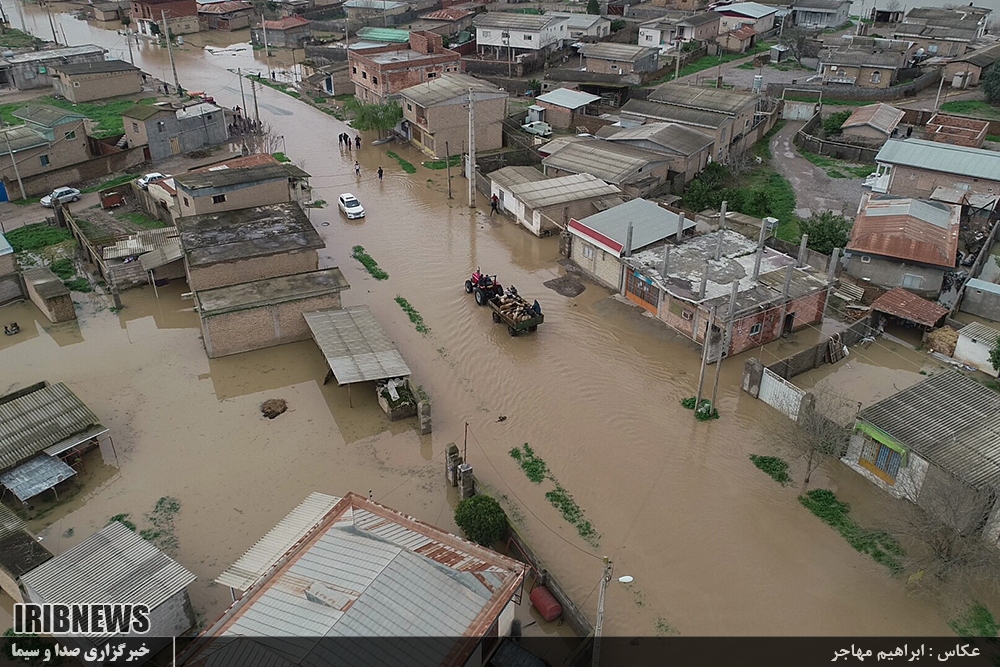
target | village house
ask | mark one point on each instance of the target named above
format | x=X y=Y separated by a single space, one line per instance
x=505 y=35
x=255 y=180
x=381 y=571
x=437 y=114
x=33 y=69
x=47 y=291
x=636 y=171
x=725 y=115
x=166 y=130
x=50 y=139
x=935 y=445
x=982 y=299
x=878 y=69
x=700 y=27
x=85 y=82
x=956 y=130
x=181 y=17
x=611 y=58
x=115 y=563
x=965 y=17
x=975 y=341
x=546 y=205
x=291 y=32
x=368 y=13
x=901 y=242
x=563 y=107
x=660 y=33
x=106 y=11
x=448 y=22
x=916 y=168
x=821 y=14
x=20 y=552
x=226 y=16
x=504 y=179
x=936 y=41
x=10 y=281
x=164 y=195
x=689 y=149
x=872 y=124
x=738 y=40
x=967 y=70
x=584 y=27
x=600 y=243
x=757 y=16
x=683 y=281
x=44 y=432
x=381 y=73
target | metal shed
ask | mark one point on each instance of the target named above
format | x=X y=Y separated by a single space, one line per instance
x=356 y=348
x=36 y=476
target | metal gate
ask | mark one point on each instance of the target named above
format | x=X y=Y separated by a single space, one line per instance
x=781 y=394
x=11 y=289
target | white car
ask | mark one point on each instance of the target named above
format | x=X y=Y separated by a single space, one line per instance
x=351 y=207
x=61 y=195
x=538 y=127
x=144 y=181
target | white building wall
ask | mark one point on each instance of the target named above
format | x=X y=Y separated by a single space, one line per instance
x=523 y=39
x=974 y=353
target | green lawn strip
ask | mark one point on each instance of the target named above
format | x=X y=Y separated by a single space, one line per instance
x=881 y=546
x=358 y=252
x=36 y=236
x=442 y=164
x=972 y=108
x=12 y=38
x=107 y=115
x=836 y=168
x=993 y=137
x=111 y=182
x=415 y=317
x=143 y=221
x=537 y=471
x=708 y=62
x=773 y=467
x=829 y=101
x=532 y=465
x=406 y=166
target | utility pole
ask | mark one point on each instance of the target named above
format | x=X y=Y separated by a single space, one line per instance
x=256 y=111
x=677 y=64
x=599 y=626
x=267 y=49
x=447 y=163
x=52 y=24
x=239 y=73
x=13 y=161
x=128 y=40
x=465 y=445
x=170 y=52
x=940 y=86
x=725 y=340
x=472 y=150
x=704 y=358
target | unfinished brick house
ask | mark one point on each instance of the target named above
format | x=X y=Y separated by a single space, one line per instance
x=956 y=130
x=381 y=73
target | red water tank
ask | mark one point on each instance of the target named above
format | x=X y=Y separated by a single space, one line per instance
x=547 y=606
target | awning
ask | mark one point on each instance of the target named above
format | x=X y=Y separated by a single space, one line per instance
x=900 y=303
x=69 y=443
x=161 y=256
x=355 y=346
x=37 y=475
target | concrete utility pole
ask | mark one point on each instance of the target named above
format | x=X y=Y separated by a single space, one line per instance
x=170 y=52
x=599 y=626
x=267 y=49
x=937 y=98
x=239 y=73
x=447 y=164
x=704 y=359
x=472 y=150
x=724 y=352
x=256 y=111
x=52 y=23
x=128 y=40
x=13 y=161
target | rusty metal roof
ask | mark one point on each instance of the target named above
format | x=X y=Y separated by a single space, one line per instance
x=950 y=420
x=38 y=417
x=882 y=117
x=900 y=303
x=911 y=230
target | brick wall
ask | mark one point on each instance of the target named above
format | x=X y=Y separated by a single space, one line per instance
x=98 y=86
x=256 y=194
x=259 y=328
x=921 y=183
x=57 y=304
x=601 y=266
x=451 y=124
x=247 y=270
x=89 y=170
x=8 y=264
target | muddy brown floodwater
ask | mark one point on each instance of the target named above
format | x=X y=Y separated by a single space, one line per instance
x=714 y=546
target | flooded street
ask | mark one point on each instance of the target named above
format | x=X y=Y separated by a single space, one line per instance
x=714 y=545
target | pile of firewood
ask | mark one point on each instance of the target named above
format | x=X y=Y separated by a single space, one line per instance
x=516 y=308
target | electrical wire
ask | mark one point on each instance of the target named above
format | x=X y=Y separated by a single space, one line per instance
x=415 y=473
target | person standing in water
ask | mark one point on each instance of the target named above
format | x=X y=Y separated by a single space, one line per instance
x=357 y=168
x=380 y=172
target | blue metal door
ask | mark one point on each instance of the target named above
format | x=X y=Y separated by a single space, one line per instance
x=3 y=192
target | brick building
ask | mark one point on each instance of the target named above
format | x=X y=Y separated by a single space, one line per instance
x=85 y=82
x=290 y=32
x=916 y=168
x=610 y=58
x=182 y=17
x=437 y=114
x=945 y=129
x=49 y=139
x=167 y=131
x=381 y=73
x=27 y=71
x=246 y=182
x=226 y=16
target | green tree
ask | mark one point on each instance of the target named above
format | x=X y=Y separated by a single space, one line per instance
x=995 y=355
x=593 y=7
x=482 y=519
x=826 y=231
x=833 y=122
x=378 y=117
x=991 y=84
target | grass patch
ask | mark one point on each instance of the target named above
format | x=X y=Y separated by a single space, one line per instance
x=773 y=467
x=747 y=66
x=455 y=160
x=111 y=183
x=836 y=168
x=780 y=198
x=318 y=203
x=977 y=621
x=358 y=252
x=319 y=100
x=572 y=513
x=12 y=38
x=143 y=221
x=63 y=268
x=36 y=236
x=829 y=102
x=972 y=108
x=993 y=137
x=107 y=115
x=881 y=546
x=411 y=312
x=123 y=519
x=79 y=285
x=161 y=523
x=281 y=157
x=533 y=466
x=406 y=166
x=762 y=148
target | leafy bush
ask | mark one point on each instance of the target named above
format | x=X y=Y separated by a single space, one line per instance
x=773 y=466
x=826 y=231
x=482 y=519
x=833 y=122
x=36 y=237
x=63 y=268
x=78 y=285
x=533 y=466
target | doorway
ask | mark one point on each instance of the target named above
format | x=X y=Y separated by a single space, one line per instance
x=788 y=325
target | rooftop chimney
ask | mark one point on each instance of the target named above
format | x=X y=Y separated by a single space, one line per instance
x=628 y=242
x=666 y=261
x=831 y=272
x=760 y=248
x=801 y=261
x=680 y=227
x=704 y=280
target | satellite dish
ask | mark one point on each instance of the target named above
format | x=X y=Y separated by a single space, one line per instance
x=625 y=580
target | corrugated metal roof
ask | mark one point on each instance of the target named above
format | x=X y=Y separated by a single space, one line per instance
x=506 y=177
x=909 y=306
x=944 y=158
x=701 y=18
x=20 y=552
x=675 y=113
x=35 y=476
x=263 y=555
x=270 y=291
x=569 y=99
x=611 y=162
x=618 y=52
x=355 y=346
x=561 y=190
x=908 y=229
x=141 y=242
x=114 y=565
x=717 y=100
x=447 y=14
x=579 y=20
x=980 y=333
x=882 y=117
x=753 y=10
x=54 y=54
x=95 y=431
x=673 y=137
x=650 y=223
x=40 y=419
x=948 y=419
x=9 y=522
x=387 y=35
x=976 y=283
x=171 y=252
x=856 y=58
x=511 y=21
x=982 y=57
x=449 y=87
x=101 y=67
x=47 y=116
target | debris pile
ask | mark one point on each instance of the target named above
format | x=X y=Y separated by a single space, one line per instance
x=942 y=340
x=273 y=407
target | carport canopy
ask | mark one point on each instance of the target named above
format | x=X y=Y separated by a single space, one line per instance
x=39 y=474
x=356 y=348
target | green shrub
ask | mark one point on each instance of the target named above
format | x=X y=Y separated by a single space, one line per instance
x=773 y=466
x=482 y=519
x=977 y=621
x=833 y=122
x=63 y=268
x=36 y=237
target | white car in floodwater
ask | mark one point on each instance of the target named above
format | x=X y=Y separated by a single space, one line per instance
x=351 y=207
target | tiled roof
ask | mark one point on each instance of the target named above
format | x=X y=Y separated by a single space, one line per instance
x=224 y=7
x=900 y=303
x=742 y=33
x=287 y=23
x=447 y=14
x=617 y=52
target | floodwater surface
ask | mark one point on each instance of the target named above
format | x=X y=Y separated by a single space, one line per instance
x=714 y=545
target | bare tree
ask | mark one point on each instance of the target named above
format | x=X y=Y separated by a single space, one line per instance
x=801 y=43
x=823 y=433
x=256 y=137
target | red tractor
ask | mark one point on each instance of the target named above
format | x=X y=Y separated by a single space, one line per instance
x=484 y=286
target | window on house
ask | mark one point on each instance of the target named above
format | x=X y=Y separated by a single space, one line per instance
x=375 y=80
x=364 y=75
x=865 y=259
x=208 y=116
x=161 y=126
x=912 y=281
x=135 y=127
x=486 y=33
x=409 y=107
x=70 y=136
x=354 y=70
x=186 y=202
x=588 y=252
x=687 y=314
x=44 y=159
x=881 y=460
x=876 y=77
x=648 y=38
x=218 y=199
x=932 y=48
x=431 y=75
x=755 y=329
x=527 y=38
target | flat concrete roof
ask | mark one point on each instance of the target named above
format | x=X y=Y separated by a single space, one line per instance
x=270 y=292
x=246 y=233
x=46 y=283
